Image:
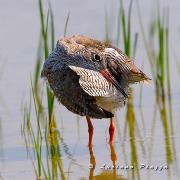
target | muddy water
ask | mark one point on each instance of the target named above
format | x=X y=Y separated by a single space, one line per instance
x=19 y=37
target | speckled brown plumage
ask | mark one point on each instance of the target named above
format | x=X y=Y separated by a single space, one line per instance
x=89 y=77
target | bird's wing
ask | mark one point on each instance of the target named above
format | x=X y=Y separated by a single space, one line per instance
x=93 y=83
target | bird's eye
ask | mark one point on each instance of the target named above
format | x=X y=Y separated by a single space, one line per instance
x=96 y=57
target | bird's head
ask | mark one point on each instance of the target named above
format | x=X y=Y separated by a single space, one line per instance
x=79 y=51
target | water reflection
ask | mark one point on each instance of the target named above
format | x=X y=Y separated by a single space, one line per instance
x=132 y=126
x=106 y=174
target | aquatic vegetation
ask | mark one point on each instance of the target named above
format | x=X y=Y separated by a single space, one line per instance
x=160 y=67
x=43 y=136
x=130 y=114
x=163 y=83
x=38 y=140
x=130 y=47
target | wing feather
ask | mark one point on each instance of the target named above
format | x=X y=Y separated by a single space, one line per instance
x=93 y=83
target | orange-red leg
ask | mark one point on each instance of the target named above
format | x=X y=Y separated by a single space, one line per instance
x=111 y=131
x=113 y=154
x=90 y=130
x=113 y=159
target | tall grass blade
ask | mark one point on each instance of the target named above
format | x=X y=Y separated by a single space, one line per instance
x=51 y=25
x=130 y=114
x=66 y=24
x=107 y=39
x=160 y=67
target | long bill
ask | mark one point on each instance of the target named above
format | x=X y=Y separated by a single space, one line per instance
x=112 y=80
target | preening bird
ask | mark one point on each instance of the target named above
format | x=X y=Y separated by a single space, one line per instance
x=90 y=78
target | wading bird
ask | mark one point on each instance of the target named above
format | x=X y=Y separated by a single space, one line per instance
x=90 y=78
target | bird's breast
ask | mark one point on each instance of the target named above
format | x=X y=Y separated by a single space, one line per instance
x=111 y=103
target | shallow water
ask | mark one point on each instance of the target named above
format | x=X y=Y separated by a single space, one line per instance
x=19 y=33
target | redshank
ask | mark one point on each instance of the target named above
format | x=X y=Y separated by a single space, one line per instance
x=90 y=78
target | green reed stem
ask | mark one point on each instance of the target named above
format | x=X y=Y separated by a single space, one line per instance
x=66 y=24
x=130 y=114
